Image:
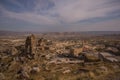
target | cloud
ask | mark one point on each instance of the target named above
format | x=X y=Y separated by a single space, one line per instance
x=73 y=11
x=109 y=25
x=31 y=17
x=61 y=12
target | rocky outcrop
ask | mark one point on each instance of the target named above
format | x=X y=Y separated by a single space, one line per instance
x=30 y=44
x=23 y=73
x=42 y=44
x=76 y=51
x=14 y=51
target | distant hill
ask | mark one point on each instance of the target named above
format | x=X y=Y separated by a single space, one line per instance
x=10 y=33
x=15 y=33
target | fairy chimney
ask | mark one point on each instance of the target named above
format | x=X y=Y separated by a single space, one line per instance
x=30 y=44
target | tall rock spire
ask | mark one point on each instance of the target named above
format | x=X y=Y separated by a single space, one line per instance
x=30 y=44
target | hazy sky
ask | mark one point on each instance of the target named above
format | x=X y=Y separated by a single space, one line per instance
x=60 y=15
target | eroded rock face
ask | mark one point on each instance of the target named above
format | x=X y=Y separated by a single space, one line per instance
x=14 y=51
x=30 y=45
x=41 y=42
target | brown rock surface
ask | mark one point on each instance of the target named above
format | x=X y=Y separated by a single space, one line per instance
x=30 y=44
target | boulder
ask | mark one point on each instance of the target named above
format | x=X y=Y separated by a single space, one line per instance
x=23 y=73
x=2 y=76
x=66 y=71
x=35 y=69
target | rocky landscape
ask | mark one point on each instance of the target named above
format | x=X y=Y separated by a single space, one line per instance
x=60 y=57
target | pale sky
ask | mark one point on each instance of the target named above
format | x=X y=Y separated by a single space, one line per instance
x=60 y=15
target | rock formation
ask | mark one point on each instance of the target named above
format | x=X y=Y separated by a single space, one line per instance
x=13 y=51
x=30 y=45
x=42 y=44
x=76 y=51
